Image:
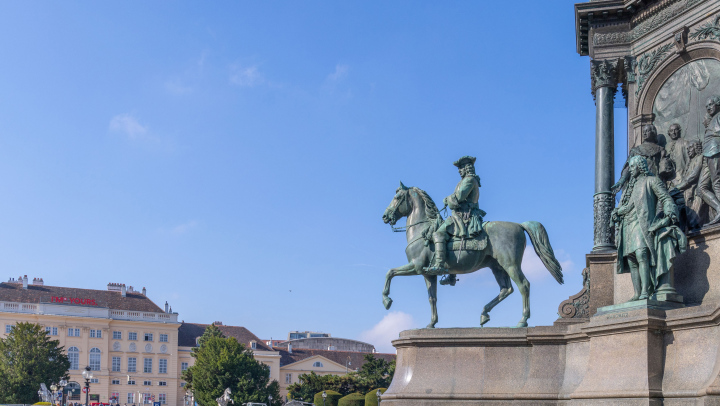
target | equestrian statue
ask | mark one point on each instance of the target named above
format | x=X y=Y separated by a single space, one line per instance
x=463 y=243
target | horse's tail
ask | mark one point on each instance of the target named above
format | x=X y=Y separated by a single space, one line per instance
x=541 y=243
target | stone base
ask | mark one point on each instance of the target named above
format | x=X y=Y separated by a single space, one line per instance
x=637 y=353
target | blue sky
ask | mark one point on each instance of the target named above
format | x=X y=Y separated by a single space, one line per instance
x=236 y=158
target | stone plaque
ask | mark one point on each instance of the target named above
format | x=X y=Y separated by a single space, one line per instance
x=682 y=98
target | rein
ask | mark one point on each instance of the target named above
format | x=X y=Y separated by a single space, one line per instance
x=403 y=229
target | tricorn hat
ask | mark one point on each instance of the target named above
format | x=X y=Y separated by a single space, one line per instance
x=465 y=160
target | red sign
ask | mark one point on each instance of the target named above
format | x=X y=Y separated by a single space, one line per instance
x=73 y=300
x=85 y=390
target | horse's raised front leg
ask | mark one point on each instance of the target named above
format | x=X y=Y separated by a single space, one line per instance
x=407 y=269
x=431 y=283
x=506 y=289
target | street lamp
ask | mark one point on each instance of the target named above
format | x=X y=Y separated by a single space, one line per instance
x=53 y=389
x=378 y=395
x=324 y=395
x=88 y=375
x=270 y=400
x=62 y=384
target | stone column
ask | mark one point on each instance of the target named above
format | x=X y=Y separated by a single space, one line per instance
x=604 y=81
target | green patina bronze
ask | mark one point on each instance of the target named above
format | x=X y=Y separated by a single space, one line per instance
x=463 y=243
x=648 y=238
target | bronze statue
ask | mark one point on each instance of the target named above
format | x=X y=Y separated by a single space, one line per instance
x=648 y=239
x=687 y=182
x=710 y=177
x=677 y=150
x=655 y=156
x=465 y=221
x=499 y=246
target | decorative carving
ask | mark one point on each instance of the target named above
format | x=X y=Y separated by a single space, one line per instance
x=116 y=346
x=163 y=348
x=655 y=19
x=630 y=65
x=710 y=30
x=603 y=73
x=148 y=347
x=647 y=63
x=578 y=305
x=603 y=204
x=133 y=347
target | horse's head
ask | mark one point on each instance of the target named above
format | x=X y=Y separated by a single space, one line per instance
x=399 y=206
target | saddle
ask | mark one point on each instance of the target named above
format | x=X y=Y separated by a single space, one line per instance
x=478 y=243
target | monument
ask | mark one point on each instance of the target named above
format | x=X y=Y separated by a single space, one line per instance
x=644 y=328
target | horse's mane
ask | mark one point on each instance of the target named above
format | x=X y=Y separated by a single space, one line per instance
x=431 y=210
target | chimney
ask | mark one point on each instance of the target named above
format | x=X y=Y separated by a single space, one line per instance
x=25 y=282
x=38 y=282
x=144 y=291
x=166 y=306
x=114 y=287
x=170 y=309
x=123 y=290
x=217 y=323
x=290 y=348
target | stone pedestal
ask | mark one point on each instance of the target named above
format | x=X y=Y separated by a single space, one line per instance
x=635 y=354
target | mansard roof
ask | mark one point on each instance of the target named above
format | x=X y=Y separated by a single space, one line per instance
x=189 y=332
x=14 y=292
x=357 y=359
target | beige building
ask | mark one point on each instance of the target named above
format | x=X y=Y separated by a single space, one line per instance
x=127 y=340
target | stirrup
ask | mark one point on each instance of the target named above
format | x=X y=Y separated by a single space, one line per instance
x=435 y=270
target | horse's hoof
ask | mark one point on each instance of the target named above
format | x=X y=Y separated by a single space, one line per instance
x=387 y=302
x=431 y=325
x=521 y=324
x=484 y=319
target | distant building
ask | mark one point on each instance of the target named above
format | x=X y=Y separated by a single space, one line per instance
x=297 y=335
x=328 y=343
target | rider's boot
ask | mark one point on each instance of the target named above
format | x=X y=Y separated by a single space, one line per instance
x=449 y=280
x=439 y=267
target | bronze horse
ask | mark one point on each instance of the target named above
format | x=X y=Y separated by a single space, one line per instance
x=503 y=253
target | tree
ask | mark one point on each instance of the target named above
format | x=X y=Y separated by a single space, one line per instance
x=28 y=357
x=222 y=363
x=375 y=373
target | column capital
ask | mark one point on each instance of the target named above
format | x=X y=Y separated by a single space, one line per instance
x=604 y=73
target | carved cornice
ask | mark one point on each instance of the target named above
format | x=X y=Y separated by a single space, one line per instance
x=603 y=73
x=710 y=30
x=646 y=22
x=647 y=63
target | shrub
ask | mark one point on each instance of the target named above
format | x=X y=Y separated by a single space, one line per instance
x=331 y=400
x=371 y=397
x=353 y=399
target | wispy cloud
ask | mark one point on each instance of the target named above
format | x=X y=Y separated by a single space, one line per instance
x=534 y=269
x=388 y=329
x=128 y=125
x=341 y=71
x=185 y=227
x=176 y=86
x=246 y=76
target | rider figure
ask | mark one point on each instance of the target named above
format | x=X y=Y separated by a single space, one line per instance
x=466 y=219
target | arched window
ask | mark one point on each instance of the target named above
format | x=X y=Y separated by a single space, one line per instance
x=95 y=359
x=317 y=364
x=74 y=358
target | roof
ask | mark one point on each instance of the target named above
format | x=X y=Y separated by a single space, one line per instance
x=14 y=292
x=189 y=332
x=357 y=359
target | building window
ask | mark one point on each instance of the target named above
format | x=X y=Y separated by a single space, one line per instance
x=148 y=337
x=116 y=364
x=115 y=396
x=95 y=333
x=115 y=382
x=147 y=397
x=131 y=397
x=162 y=366
x=73 y=332
x=132 y=364
x=253 y=345
x=8 y=328
x=163 y=338
x=182 y=384
x=132 y=336
x=317 y=364
x=117 y=335
x=288 y=378
x=147 y=365
x=162 y=383
x=183 y=366
x=95 y=380
x=147 y=383
x=51 y=331
x=74 y=358
x=131 y=382
x=162 y=398
x=95 y=359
